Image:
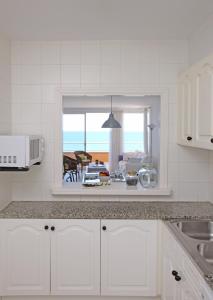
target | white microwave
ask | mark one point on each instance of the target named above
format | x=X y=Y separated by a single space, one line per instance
x=20 y=152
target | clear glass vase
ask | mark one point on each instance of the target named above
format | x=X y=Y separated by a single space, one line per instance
x=148 y=176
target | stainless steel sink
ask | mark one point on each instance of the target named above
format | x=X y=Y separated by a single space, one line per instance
x=200 y=230
x=206 y=251
x=197 y=238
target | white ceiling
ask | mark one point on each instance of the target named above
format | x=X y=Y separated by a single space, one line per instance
x=102 y=19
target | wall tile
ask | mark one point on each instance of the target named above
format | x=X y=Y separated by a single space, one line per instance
x=70 y=53
x=49 y=93
x=50 y=53
x=31 y=53
x=110 y=52
x=90 y=53
x=26 y=93
x=31 y=74
x=191 y=171
x=51 y=74
x=71 y=75
x=90 y=75
x=110 y=76
x=16 y=74
x=40 y=69
x=16 y=53
x=148 y=52
x=169 y=72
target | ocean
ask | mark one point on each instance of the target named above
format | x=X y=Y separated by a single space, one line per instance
x=99 y=141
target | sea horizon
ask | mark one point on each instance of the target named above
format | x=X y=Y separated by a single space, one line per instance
x=99 y=141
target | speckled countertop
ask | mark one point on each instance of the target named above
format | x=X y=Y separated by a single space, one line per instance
x=107 y=210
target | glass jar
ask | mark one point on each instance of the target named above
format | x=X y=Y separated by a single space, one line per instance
x=148 y=176
x=131 y=178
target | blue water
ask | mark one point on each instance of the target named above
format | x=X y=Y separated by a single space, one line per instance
x=74 y=141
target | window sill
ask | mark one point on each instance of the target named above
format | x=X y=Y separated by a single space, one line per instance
x=115 y=189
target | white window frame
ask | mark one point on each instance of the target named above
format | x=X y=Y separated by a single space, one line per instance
x=163 y=188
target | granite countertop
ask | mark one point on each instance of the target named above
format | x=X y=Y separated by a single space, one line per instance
x=107 y=210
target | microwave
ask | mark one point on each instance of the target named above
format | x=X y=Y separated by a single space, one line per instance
x=20 y=152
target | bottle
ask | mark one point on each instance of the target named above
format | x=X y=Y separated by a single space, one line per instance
x=148 y=176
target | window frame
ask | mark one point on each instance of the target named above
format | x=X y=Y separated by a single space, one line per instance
x=163 y=189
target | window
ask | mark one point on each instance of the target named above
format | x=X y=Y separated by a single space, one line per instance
x=84 y=116
x=73 y=132
x=83 y=132
x=97 y=138
x=133 y=132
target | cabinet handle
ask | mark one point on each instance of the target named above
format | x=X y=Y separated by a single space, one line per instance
x=211 y=140
x=46 y=227
x=177 y=278
x=52 y=228
x=174 y=273
x=104 y=228
x=189 y=138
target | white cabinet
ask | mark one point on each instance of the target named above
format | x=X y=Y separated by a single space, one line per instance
x=63 y=257
x=204 y=106
x=129 y=258
x=188 y=292
x=27 y=248
x=195 y=105
x=24 y=257
x=169 y=286
x=185 y=110
x=186 y=283
x=75 y=258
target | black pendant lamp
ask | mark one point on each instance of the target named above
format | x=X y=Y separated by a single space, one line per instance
x=111 y=122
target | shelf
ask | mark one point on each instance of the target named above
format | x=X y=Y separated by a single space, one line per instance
x=115 y=189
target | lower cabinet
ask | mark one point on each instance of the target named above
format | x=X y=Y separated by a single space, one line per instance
x=75 y=258
x=78 y=257
x=180 y=280
x=42 y=257
x=129 y=258
x=176 y=287
x=24 y=257
x=169 y=285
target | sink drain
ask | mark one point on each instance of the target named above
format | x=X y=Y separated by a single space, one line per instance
x=209 y=277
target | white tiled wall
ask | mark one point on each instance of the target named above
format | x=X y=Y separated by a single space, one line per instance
x=201 y=41
x=5 y=115
x=39 y=68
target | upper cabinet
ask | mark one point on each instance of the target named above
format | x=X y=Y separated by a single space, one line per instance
x=204 y=106
x=195 y=106
x=185 y=109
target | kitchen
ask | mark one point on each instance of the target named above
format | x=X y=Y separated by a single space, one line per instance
x=130 y=48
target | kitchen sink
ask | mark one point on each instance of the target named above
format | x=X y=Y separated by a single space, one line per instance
x=197 y=238
x=206 y=251
x=200 y=230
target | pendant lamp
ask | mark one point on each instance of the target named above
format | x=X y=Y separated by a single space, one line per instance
x=111 y=122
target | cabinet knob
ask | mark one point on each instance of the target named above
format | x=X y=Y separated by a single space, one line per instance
x=189 y=138
x=52 y=228
x=46 y=227
x=177 y=278
x=174 y=273
x=104 y=228
x=211 y=140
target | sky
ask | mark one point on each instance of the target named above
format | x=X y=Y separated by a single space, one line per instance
x=133 y=122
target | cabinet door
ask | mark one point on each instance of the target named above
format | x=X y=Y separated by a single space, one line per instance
x=185 y=110
x=169 y=285
x=75 y=257
x=24 y=257
x=188 y=292
x=204 y=107
x=129 y=257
